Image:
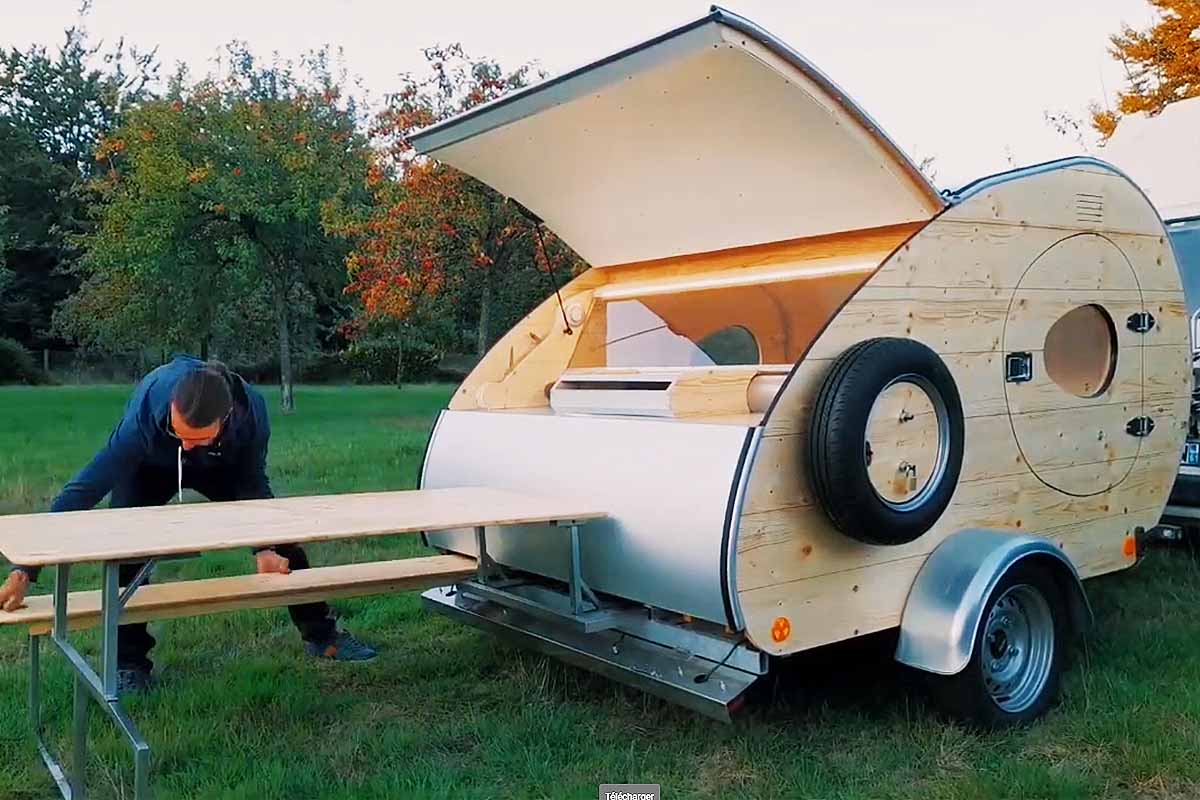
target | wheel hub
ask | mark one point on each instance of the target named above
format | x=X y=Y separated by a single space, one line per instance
x=1018 y=648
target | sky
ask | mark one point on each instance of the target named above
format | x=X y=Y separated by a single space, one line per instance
x=966 y=82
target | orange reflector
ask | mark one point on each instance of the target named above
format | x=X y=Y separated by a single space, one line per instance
x=781 y=629
x=1130 y=547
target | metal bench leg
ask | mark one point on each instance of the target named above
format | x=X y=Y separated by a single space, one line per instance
x=35 y=717
x=79 y=728
x=101 y=686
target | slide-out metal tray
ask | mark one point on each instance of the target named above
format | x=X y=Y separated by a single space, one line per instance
x=705 y=672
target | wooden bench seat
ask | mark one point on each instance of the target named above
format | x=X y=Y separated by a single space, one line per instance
x=213 y=595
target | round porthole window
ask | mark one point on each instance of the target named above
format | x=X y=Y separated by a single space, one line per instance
x=1081 y=351
x=732 y=345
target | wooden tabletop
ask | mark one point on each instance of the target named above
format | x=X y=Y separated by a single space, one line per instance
x=135 y=533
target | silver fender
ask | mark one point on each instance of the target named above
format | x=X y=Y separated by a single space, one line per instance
x=946 y=602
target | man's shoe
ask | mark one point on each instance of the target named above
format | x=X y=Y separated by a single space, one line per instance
x=343 y=647
x=134 y=681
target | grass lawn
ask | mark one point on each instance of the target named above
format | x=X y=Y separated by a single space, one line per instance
x=447 y=711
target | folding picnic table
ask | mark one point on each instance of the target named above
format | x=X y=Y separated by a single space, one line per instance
x=112 y=537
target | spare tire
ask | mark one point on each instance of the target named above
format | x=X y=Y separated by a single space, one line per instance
x=886 y=441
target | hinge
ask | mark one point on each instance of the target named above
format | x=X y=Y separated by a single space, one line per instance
x=1018 y=367
x=1140 y=322
x=1139 y=426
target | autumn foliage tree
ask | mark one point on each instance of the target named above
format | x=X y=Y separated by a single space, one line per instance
x=55 y=105
x=213 y=200
x=430 y=228
x=1162 y=63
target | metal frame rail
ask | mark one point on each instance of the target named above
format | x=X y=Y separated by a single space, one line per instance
x=100 y=686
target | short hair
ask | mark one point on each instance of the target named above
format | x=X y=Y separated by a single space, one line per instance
x=202 y=396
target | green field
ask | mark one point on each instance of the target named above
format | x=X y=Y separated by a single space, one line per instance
x=448 y=712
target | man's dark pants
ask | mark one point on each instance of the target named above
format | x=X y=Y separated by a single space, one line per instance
x=156 y=487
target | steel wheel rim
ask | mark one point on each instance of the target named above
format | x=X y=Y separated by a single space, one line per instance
x=1017 y=651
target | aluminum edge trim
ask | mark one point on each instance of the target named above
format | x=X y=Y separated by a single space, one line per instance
x=425 y=463
x=733 y=525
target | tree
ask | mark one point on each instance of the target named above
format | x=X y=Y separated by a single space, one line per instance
x=6 y=275
x=53 y=110
x=1162 y=63
x=213 y=200
x=429 y=228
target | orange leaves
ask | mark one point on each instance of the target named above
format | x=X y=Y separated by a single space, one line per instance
x=109 y=148
x=237 y=172
x=300 y=138
x=177 y=105
x=197 y=175
x=376 y=175
x=1104 y=121
x=427 y=224
x=1162 y=62
x=148 y=135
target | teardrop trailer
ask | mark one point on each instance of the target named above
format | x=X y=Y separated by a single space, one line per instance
x=817 y=398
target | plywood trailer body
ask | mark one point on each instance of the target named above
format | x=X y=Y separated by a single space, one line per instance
x=807 y=386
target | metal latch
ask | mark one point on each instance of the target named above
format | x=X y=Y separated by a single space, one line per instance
x=1140 y=322
x=1139 y=426
x=1018 y=367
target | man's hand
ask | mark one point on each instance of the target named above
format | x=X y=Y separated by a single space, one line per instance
x=270 y=561
x=12 y=593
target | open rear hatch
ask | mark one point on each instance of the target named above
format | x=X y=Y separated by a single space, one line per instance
x=710 y=136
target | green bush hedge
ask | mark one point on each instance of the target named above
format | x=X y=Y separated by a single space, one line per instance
x=17 y=365
x=363 y=362
x=375 y=362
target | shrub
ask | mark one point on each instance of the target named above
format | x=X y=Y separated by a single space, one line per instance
x=326 y=368
x=17 y=365
x=375 y=361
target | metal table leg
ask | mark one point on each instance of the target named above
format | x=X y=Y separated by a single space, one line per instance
x=579 y=590
x=101 y=686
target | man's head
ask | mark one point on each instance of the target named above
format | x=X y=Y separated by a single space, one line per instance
x=200 y=405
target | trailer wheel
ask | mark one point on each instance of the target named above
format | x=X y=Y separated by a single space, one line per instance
x=1016 y=665
x=886 y=441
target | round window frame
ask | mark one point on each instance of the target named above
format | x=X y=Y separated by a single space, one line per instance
x=1056 y=375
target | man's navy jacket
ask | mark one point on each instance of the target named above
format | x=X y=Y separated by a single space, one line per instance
x=142 y=441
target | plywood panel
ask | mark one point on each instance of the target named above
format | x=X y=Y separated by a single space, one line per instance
x=837 y=606
x=1031 y=317
x=951 y=253
x=711 y=392
x=516 y=372
x=1075 y=199
x=832 y=607
x=791 y=544
x=781 y=467
x=947 y=320
x=129 y=533
x=781 y=464
x=980 y=381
